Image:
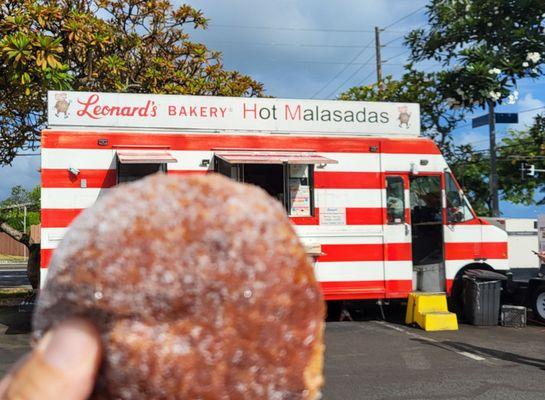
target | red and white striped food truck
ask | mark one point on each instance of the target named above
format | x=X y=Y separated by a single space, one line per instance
x=371 y=199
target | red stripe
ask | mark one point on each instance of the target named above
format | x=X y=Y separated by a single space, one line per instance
x=449 y=284
x=62 y=178
x=348 y=180
x=354 y=216
x=365 y=252
x=470 y=251
x=412 y=146
x=96 y=178
x=366 y=289
x=58 y=218
x=398 y=288
x=61 y=218
x=104 y=178
x=89 y=140
x=364 y=216
x=45 y=257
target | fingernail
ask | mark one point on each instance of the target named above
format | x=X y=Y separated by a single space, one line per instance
x=69 y=345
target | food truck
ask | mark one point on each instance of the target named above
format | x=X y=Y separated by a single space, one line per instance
x=375 y=204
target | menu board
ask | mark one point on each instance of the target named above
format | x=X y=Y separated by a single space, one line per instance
x=333 y=216
x=299 y=191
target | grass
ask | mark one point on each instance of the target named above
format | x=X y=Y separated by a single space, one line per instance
x=8 y=293
x=18 y=259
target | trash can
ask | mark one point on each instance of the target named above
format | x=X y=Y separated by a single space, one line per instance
x=481 y=301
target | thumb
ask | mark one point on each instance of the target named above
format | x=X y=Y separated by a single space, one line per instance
x=62 y=366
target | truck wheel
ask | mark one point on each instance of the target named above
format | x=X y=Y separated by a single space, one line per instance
x=538 y=303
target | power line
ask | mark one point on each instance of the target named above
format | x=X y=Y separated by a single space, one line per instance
x=393 y=40
x=334 y=62
x=293 y=28
x=397 y=55
x=338 y=74
x=273 y=44
x=405 y=17
x=350 y=77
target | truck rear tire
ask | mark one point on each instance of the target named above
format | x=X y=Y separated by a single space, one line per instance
x=538 y=303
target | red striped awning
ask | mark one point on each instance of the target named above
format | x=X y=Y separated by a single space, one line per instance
x=143 y=156
x=272 y=157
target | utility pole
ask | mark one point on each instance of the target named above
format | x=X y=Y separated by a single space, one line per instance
x=493 y=180
x=379 y=58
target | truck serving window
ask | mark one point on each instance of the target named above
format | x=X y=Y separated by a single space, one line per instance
x=136 y=163
x=291 y=184
x=133 y=172
x=395 y=200
x=458 y=209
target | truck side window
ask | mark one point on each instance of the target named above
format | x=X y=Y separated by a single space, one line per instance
x=458 y=209
x=395 y=200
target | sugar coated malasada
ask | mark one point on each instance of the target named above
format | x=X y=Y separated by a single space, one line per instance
x=199 y=287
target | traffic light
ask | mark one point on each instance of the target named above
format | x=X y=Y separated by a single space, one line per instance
x=527 y=170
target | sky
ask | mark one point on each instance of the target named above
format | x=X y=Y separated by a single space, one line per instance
x=317 y=49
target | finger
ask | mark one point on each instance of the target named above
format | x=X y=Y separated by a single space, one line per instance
x=62 y=366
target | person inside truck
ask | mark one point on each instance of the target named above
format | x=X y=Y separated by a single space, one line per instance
x=430 y=211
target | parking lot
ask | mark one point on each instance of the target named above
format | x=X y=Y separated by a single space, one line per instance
x=383 y=360
x=373 y=359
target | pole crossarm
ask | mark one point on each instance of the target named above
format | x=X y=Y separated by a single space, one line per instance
x=20 y=205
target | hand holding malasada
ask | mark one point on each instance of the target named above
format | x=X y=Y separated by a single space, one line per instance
x=199 y=289
x=63 y=365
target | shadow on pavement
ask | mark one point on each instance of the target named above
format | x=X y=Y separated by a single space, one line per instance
x=16 y=322
x=483 y=351
x=502 y=355
x=365 y=310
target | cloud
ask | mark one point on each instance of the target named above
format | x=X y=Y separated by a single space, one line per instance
x=475 y=138
x=529 y=102
x=274 y=56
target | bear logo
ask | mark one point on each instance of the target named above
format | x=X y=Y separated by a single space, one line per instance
x=404 y=116
x=61 y=104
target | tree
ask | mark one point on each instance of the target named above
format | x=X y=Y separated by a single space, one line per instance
x=519 y=146
x=100 y=45
x=484 y=47
x=13 y=212
x=523 y=146
x=11 y=222
x=437 y=119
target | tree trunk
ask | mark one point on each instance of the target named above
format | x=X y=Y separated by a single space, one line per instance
x=33 y=263
x=21 y=237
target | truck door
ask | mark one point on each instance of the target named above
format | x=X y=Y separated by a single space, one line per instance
x=397 y=236
x=426 y=202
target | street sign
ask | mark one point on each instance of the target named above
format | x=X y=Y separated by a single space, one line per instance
x=501 y=118
x=479 y=121
x=507 y=118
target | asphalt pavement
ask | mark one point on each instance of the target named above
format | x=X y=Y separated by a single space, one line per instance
x=374 y=359
x=13 y=275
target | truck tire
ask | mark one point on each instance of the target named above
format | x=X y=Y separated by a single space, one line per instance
x=538 y=303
